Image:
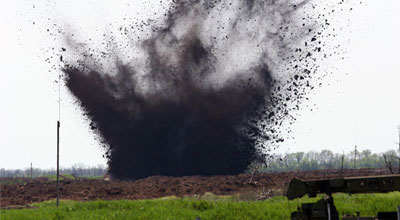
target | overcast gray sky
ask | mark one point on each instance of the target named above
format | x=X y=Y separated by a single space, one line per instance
x=359 y=103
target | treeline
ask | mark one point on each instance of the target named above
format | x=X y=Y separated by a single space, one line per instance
x=326 y=159
x=78 y=170
x=299 y=161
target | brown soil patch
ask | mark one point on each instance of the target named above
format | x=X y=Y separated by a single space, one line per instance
x=38 y=190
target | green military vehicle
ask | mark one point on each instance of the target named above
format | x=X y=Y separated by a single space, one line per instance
x=325 y=207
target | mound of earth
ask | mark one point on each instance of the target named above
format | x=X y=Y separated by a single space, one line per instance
x=262 y=184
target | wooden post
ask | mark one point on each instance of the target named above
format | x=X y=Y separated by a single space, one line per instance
x=58 y=161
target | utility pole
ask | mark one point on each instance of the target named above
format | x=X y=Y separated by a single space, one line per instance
x=399 y=138
x=31 y=170
x=58 y=161
x=341 y=167
x=398 y=170
x=355 y=156
x=58 y=138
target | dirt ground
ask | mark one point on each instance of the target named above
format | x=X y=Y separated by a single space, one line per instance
x=263 y=184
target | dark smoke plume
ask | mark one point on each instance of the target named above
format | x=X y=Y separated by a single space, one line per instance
x=199 y=99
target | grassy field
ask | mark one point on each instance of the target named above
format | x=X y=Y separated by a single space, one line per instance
x=207 y=207
x=69 y=176
x=62 y=177
x=12 y=181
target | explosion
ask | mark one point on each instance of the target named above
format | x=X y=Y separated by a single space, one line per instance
x=202 y=98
